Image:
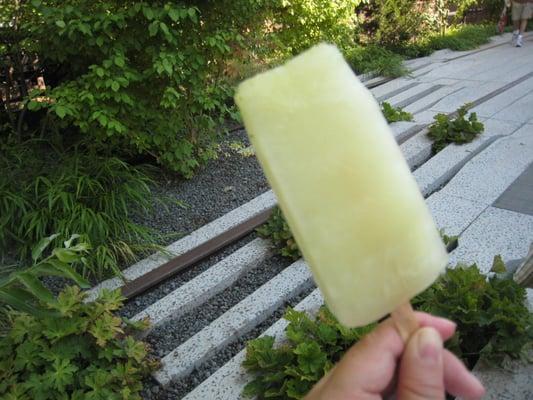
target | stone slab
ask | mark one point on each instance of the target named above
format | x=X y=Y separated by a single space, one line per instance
x=228 y=381
x=392 y=87
x=466 y=95
x=489 y=174
x=440 y=168
x=495 y=231
x=409 y=94
x=501 y=101
x=519 y=196
x=403 y=130
x=453 y=214
x=201 y=235
x=235 y=322
x=417 y=150
x=520 y=111
x=432 y=98
x=204 y=286
x=513 y=383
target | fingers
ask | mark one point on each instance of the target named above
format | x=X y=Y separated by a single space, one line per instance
x=458 y=379
x=421 y=375
x=444 y=326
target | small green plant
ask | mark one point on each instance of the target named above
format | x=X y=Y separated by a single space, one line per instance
x=459 y=130
x=395 y=114
x=23 y=290
x=277 y=230
x=68 y=192
x=84 y=353
x=449 y=241
x=493 y=322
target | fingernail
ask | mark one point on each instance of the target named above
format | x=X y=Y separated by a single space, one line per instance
x=429 y=345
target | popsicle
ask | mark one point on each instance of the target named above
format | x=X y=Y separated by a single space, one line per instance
x=341 y=180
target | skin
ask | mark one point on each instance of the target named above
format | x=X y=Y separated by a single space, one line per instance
x=381 y=363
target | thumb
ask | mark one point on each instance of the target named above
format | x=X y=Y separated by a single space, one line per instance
x=421 y=374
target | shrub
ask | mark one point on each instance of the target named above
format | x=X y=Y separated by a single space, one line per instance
x=459 y=38
x=74 y=192
x=395 y=114
x=154 y=78
x=86 y=353
x=376 y=60
x=392 y=23
x=458 y=130
x=493 y=322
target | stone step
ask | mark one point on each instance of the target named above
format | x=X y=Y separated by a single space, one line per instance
x=201 y=235
x=481 y=181
x=234 y=323
x=206 y=285
x=228 y=381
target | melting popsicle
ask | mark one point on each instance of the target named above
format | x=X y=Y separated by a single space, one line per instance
x=342 y=182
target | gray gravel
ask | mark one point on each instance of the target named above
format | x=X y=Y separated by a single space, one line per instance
x=168 y=336
x=179 y=389
x=220 y=186
x=146 y=299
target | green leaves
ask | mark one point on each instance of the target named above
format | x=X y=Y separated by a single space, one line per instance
x=458 y=130
x=60 y=358
x=277 y=230
x=91 y=195
x=492 y=318
x=395 y=114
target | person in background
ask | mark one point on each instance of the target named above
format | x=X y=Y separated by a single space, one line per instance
x=521 y=13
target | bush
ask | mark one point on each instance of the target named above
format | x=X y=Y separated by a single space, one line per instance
x=376 y=60
x=392 y=23
x=86 y=353
x=77 y=192
x=459 y=38
x=493 y=322
x=154 y=78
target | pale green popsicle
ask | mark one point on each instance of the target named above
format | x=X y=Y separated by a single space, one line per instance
x=342 y=182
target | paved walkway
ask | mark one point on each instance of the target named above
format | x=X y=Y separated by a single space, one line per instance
x=482 y=191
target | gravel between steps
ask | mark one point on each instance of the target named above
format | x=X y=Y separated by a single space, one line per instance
x=180 y=388
x=170 y=335
x=220 y=186
x=148 y=298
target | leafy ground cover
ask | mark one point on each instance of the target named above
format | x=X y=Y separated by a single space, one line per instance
x=395 y=114
x=493 y=323
x=56 y=347
x=459 y=129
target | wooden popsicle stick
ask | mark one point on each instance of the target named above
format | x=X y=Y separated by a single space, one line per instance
x=405 y=320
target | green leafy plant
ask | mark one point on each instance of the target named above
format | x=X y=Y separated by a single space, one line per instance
x=74 y=192
x=449 y=241
x=395 y=114
x=291 y=370
x=278 y=232
x=459 y=130
x=84 y=353
x=23 y=291
x=372 y=59
x=491 y=315
x=493 y=322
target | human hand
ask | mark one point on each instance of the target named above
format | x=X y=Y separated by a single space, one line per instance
x=425 y=369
